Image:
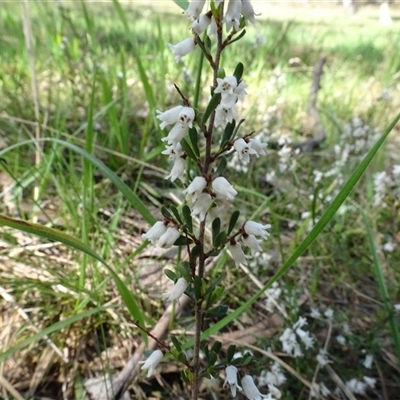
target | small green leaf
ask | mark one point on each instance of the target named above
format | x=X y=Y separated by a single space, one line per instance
x=184 y=269
x=183 y=241
x=171 y=274
x=165 y=212
x=176 y=213
x=216 y=347
x=238 y=73
x=221 y=166
x=212 y=105
x=238 y=37
x=193 y=135
x=228 y=134
x=230 y=353
x=188 y=150
x=220 y=240
x=212 y=285
x=176 y=343
x=216 y=227
x=232 y=222
x=187 y=217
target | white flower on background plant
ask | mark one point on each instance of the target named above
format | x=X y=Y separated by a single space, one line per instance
x=223 y=189
x=177 y=290
x=237 y=254
x=195 y=188
x=257 y=229
x=231 y=379
x=258 y=147
x=240 y=90
x=182 y=48
x=328 y=313
x=155 y=232
x=200 y=24
x=389 y=246
x=195 y=8
x=274 y=391
x=341 y=339
x=273 y=293
x=371 y=382
x=168 y=238
x=289 y=343
x=169 y=117
x=322 y=357
x=151 y=363
x=274 y=377
x=248 y=11
x=305 y=338
x=178 y=170
x=315 y=313
x=176 y=134
x=369 y=359
x=253 y=243
x=319 y=389
x=244 y=150
x=232 y=16
x=250 y=389
x=356 y=386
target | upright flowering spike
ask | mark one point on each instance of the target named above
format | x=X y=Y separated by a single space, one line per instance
x=169 y=117
x=223 y=189
x=232 y=16
x=231 y=379
x=151 y=363
x=256 y=229
x=168 y=239
x=177 y=290
x=195 y=8
x=182 y=48
x=250 y=389
x=155 y=232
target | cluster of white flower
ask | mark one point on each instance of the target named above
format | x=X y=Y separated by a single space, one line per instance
x=248 y=386
x=162 y=235
x=200 y=22
x=360 y=386
x=249 y=235
x=384 y=183
x=289 y=341
x=274 y=376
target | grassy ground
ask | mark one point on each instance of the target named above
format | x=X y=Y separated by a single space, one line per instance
x=88 y=63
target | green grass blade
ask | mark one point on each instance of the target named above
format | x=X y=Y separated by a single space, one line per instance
x=387 y=304
x=184 y=4
x=57 y=236
x=49 y=330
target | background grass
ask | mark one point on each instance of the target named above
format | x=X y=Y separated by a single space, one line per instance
x=90 y=63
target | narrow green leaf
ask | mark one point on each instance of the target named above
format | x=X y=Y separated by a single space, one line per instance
x=228 y=134
x=171 y=274
x=230 y=353
x=232 y=222
x=165 y=212
x=176 y=343
x=220 y=239
x=238 y=73
x=212 y=105
x=188 y=150
x=216 y=227
x=57 y=236
x=176 y=213
x=221 y=166
x=238 y=37
x=184 y=4
x=193 y=135
x=187 y=217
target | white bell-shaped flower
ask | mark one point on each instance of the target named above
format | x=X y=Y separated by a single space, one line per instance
x=182 y=48
x=232 y=16
x=244 y=150
x=226 y=86
x=201 y=206
x=225 y=113
x=169 y=117
x=178 y=170
x=240 y=90
x=186 y=116
x=176 y=134
x=177 y=290
x=248 y=11
x=237 y=254
x=195 y=188
x=195 y=8
x=200 y=24
x=151 y=363
x=173 y=152
x=250 y=389
x=231 y=379
x=259 y=147
x=253 y=243
x=223 y=189
x=257 y=229
x=155 y=232
x=168 y=239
